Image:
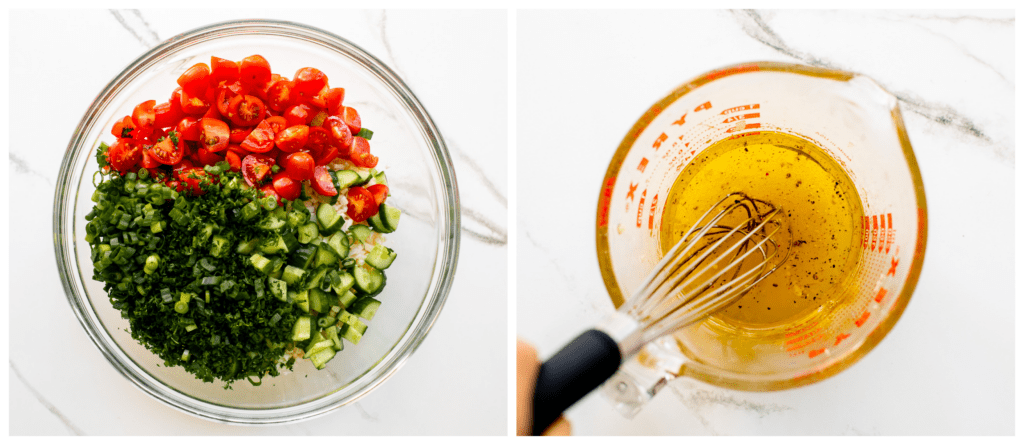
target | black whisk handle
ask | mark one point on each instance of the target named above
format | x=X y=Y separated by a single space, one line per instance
x=572 y=373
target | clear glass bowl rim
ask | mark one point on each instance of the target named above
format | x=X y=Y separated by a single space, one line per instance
x=449 y=220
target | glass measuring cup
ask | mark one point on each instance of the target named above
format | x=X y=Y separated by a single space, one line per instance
x=858 y=125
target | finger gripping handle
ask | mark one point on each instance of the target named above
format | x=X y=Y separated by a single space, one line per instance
x=570 y=374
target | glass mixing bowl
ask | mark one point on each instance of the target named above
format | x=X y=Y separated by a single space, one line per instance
x=422 y=183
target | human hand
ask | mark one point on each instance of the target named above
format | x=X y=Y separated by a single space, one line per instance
x=527 y=368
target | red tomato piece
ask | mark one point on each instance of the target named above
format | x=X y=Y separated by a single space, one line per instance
x=256 y=169
x=123 y=156
x=318 y=100
x=188 y=129
x=215 y=134
x=292 y=139
x=195 y=80
x=298 y=114
x=309 y=81
x=143 y=114
x=260 y=139
x=287 y=187
x=213 y=113
x=238 y=134
x=360 y=153
x=148 y=161
x=207 y=157
x=269 y=192
x=254 y=71
x=277 y=123
x=191 y=178
x=245 y=111
x=351 y=118
x=237 y=149
x=361 y=205
x=234 y=160
x=165 y=152
x=335 y=97
x=168 y=113
x=319 y=145
x=194 y=105
x=322 y=183
x=379 y=191
x=299 y=166
x=124 y=128
x=224 y=97
x=279 y=95
x=223 y=70
x=340 y=134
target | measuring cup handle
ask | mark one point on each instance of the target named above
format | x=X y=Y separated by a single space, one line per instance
x=570 y=374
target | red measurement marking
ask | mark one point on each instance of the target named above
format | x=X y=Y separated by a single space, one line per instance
x=864 y=229
x=881 y=295
x=605 y=202
x=840 y=338
x=863 y=318
x=703 y=106
x=738 y=117
x=892 y=266
x=741 y=108
x=816 y=352
x=874 y=231
x=632 y=190
x=640 y=209
x=643 y=165
x=681 y=121
x=890 y=235
x=737 y=136
x=654 y=206
x=657 y=142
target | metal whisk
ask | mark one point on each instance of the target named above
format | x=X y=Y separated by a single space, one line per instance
x=718 y=260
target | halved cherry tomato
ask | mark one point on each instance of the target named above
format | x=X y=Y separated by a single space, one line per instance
x=260 y=139
x=287 y=187
x=340 y=134
x=319 y=145
x=299 y=166
x=154 y=135
x=215 y=134
x=188 y=129
x=237 y=149
x=143 y=114
x=309 y=81
x=317 y=100
x=360 y=153
x=245 y=111
x=292 y=139
x=279 y=95
x=379 y=191
x=124 y=128
x=123 y=156
x=256 y=169
x=194 y=105
x=148 y=161
x=223 y=70
x=269 y=192
x=191 y=178
x=213 y=113
x=238 y=134
x=207 y=157
x=255 y=71
x=335 y=97
x=224 y=96
x=168 y=113
x=195 y=80
x=298 y=114
x=351 y=118
x=277 y=123
x=361 y=205
x=165 y=152
x=322 y=183
x=234 y=160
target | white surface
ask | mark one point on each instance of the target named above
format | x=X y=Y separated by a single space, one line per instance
x=948 y=365
x=455 y=62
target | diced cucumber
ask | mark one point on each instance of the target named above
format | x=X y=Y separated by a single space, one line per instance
x=320 y=358
x=368 y=279
x=317 y=337
x=365 y=307
x=292 y=275
x=278 y=288
x=260 y=262
x=339 y=243
x=331 y=332
x=345 y=299
x=313 y=348
x=307 y=232
x=389 y=216
x=364 y=177
x=272 y=222
x=325 y=256
x=289 y=241
x=351 y=334
x=380 y=178
x=301 y=299
x=303 y=256
x=346 y=179
x=380 y=257
x=316 y=277
x=345 y=282
x=273 y=244
x=298 y=216
x=302 y=328
x=360 y=232
x=319 y=301
x=247 y=246
x=329 y=219
x=377 y=225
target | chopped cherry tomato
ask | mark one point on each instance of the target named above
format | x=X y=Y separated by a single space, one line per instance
x=317 y=100
x=322 y=183
x=256 y=169
x=335 y=97
x=245 y=111
x=319 y=145
x=279 y=95
x=195 y=80
x=287 y=187
x=361 y=205
x=268 y=192
x=299 y=166
x=309 y=81
x=224 y=96
x=123 y=156
x=292 y=139
x=233 y=159
x=223 y=70
x=351 y=118
x=168 y=114
x=260 y=139
x=165 y=152
x=148 y=161
x=215 y=134
x=207 y=157
x=340 y=134
x=360 y=153
x=153 y=137
x=213 y=113
x=255 y=71
x=193 y=104
x=143 y=114
x=124 y=128
x=298 y=114
x=238 y=134
x=189 y=129
x=237 y=149
x=379 y=191
x=191 y=178
x=174 y=184
x=277 y=123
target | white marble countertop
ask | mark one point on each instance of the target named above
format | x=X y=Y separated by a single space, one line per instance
x=60 y=383
x=948 y=365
